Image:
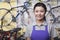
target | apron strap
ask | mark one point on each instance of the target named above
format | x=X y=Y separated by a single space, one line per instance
x=34 y=27
x=46 y=27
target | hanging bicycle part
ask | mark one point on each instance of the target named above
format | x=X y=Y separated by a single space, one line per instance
x=56 y=12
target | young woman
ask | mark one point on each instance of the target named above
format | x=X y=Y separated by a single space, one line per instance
x=40 y=30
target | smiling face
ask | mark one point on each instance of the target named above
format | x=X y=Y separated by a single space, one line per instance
x=39 y=13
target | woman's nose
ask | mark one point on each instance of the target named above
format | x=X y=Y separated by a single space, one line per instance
x=39 y=12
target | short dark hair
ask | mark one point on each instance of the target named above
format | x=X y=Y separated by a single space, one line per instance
x=40 y=4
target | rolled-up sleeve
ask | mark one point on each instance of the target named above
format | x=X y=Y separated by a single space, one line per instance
x=53 y=31
x=28 y=32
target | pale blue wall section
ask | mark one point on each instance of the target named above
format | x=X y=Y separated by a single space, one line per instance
x=0 y=0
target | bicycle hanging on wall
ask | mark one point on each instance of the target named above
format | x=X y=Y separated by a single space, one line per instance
x=12 y=34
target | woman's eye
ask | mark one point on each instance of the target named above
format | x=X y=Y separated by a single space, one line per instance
x=36 y=11
x=41 y=11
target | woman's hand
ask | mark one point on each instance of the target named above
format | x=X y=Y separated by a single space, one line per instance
x=52 y=38
x=28 y=38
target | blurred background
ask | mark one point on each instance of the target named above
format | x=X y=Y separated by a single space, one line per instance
x=19 y=14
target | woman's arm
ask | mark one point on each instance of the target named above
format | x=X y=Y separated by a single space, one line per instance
x=52 y=32
x=27 y=33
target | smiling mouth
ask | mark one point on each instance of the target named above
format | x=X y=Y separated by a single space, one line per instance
x=39 y=16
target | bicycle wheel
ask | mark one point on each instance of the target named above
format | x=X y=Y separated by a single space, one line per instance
x=7 y=17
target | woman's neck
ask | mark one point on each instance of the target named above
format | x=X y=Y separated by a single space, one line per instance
x=39 y=22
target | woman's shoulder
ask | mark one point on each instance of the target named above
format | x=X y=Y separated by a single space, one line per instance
x=51 y=25
x=29 y=27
